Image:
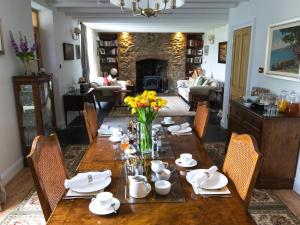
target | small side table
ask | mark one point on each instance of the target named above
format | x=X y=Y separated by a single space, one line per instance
x=74 y=101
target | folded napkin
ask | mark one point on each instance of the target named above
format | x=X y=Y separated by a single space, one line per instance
x=202 y=177
x=83 y=179
x=176 y=128
x=182 y=131
x=202 y=191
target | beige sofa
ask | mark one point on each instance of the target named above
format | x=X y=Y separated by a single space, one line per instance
x=112 y=93
x=192 y=92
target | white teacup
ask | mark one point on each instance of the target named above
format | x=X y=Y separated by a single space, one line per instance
x=168 y=120
x=104 y=199
x=186 y=158
x=163 y=174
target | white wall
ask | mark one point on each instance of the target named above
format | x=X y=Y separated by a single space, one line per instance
x=210 y=62
x=15 y=16
x=260 y=14
x=56 y=29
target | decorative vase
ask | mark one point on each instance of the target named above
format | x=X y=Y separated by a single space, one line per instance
x=145 y=141
x=25 y=63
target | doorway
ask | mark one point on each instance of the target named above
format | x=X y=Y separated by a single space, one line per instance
x=240 y=61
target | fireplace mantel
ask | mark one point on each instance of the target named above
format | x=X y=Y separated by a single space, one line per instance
x=165 y=46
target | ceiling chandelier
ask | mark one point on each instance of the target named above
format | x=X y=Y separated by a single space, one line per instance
x=148 y=8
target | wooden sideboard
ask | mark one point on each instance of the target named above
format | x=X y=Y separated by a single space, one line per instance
x=278 y=138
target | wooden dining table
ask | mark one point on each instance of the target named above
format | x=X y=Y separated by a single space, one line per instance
x=199 y=210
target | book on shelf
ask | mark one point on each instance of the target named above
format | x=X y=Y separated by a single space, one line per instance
x=194 y=51
x=195 y=43
x=108 y=60
x=112 y=43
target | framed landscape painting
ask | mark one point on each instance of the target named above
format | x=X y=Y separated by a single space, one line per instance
x=283 y=49
x=222 y=52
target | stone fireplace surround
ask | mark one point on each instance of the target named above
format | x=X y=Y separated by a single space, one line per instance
x=134 y=47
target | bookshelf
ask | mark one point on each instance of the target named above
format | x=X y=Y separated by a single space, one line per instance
x=108 y=52
x=194 y=52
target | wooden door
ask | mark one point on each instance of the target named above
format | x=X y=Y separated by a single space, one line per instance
x=240 y=59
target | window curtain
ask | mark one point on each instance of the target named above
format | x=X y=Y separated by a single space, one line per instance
x=84 y=53
x=2 y=194
x=94 y=60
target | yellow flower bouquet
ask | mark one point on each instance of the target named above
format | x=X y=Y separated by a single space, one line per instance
x=145 y=107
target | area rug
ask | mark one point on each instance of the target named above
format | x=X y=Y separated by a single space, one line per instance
x=175 y=107
x=29 y=211
x=265 y=207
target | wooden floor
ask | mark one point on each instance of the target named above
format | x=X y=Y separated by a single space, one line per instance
x=20 y=186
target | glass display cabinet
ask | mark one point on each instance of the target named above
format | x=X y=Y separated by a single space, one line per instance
x=35 y=107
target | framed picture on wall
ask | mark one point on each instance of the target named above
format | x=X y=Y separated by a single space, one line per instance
x=68 y=51
x=222 y=52
x=283 y=49
x=1 y=41
x=77 y=47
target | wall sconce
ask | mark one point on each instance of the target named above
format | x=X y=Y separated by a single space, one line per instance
x=211 y=39
x=76 y=33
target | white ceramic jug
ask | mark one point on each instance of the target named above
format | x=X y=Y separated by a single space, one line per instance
x=138 y=186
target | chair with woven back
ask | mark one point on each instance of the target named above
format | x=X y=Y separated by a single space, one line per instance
x=242 y=163
x=91 y=121
x=201 y=119
x=48 y=171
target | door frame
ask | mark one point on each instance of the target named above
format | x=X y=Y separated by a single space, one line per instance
x=249 y=23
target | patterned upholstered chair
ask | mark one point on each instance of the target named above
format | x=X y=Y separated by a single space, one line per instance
x=242 y=164
x=201 y=119
x=91 y=121
x=48 y=171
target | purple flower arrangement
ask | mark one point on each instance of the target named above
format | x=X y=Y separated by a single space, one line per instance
x=22 y=50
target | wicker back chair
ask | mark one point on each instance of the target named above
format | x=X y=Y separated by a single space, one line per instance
x=242 y=164
x=91 y=121
x=201 y=119
x=48 y=171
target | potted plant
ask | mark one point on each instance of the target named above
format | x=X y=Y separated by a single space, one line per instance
x=22 y=50
x=145 y=107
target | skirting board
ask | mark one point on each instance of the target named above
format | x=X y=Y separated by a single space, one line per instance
x=296 y=187
x=12 y=171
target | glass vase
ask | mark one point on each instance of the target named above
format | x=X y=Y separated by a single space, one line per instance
x=145 y=140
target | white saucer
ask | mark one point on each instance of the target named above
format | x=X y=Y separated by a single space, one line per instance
x=93 y=187
x=114 y=139
x=95 y=208
x=164 y=123
x=180 y=163
x=216 y=181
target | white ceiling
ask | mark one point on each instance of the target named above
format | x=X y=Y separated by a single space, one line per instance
x=193 y=16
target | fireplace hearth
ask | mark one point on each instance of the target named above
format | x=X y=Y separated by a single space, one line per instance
x=151 y=74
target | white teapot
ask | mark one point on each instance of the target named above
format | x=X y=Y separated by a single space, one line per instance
x=138 y=186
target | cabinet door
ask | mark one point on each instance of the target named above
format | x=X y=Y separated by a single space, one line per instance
x=45 y=90
x=28 y=110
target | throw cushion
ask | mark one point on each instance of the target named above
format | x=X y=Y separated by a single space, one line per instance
x=201 y=81
x=196 y=81
x=191 y=82
x=205 y=82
